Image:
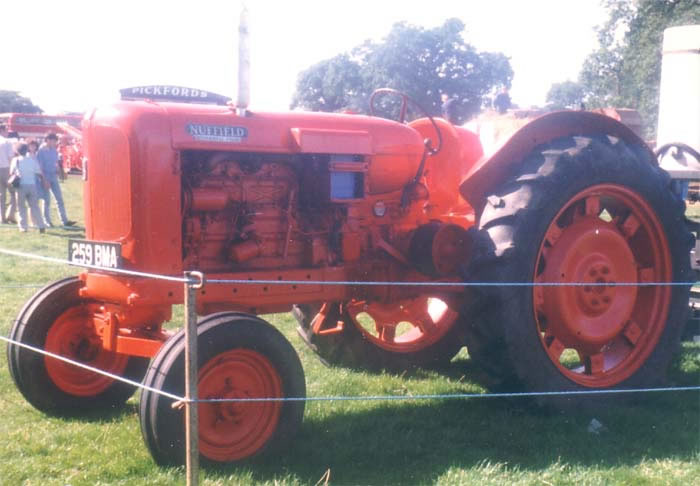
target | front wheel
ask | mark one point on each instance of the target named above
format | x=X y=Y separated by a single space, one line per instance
x=580 y=217
x=56 y=319
x=239 y=357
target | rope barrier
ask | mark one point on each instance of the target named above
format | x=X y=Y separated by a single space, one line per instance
x=452 y=284
x=340 y=398
x=93 y=267
x=199 y=278
x=450 y=395
x=90 y=368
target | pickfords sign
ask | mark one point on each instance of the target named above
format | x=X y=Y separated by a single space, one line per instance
x=172 y=93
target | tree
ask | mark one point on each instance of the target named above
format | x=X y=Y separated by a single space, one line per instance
x=13 y=102
x=423 y=63
x=625 y=71
x=568 y=94
x=330 y=85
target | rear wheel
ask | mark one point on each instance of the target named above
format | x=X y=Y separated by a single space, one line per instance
x=422 y=331
x=57 y=320
x=581 y=216
x=239 y=356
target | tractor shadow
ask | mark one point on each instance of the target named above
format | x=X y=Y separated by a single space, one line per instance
x=68 y=232
x=99 y=416
x=412 y=442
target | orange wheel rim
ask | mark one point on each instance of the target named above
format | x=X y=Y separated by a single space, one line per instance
x=406 y=326
x=230 y=431
x=598 y=334
x=73 y=336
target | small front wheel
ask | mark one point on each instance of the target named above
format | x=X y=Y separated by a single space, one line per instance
x=239 y=357
x=56 y=319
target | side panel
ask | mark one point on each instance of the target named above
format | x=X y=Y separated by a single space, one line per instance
x=156 y=196
x=107 y=201
x=493 y=169
x=133 y=191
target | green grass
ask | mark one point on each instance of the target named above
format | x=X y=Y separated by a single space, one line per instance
x=476 y=441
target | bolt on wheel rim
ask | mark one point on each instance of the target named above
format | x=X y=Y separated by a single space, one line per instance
x=596 y=332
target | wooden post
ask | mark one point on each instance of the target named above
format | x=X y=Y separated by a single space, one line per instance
x=191 y=370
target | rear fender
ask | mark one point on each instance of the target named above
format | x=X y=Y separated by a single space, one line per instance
x=495 y=167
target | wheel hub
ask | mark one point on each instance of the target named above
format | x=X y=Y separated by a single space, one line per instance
x=84 y=349
x=597 y=297
x=592 y=256
x=232 y=430
x=73 y=335
x=229 y=411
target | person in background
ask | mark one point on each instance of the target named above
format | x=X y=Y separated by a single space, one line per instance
x=449 y=109
x=30 y=175
x=502 y=101
x=7 y=151
x=48 y=161
x=33 y=148
x=11 y=214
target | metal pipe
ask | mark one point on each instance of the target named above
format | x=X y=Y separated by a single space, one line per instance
x=191 y=411
x=243 y=65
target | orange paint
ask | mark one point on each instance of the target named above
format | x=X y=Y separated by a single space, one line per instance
x=266 y=196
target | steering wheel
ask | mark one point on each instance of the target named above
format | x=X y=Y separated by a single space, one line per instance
x=405 y=99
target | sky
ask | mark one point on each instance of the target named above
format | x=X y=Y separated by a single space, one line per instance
x=71 y=55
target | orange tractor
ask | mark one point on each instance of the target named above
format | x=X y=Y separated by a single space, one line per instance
x=516 y=254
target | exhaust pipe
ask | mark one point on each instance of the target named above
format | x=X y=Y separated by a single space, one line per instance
x=243 y=99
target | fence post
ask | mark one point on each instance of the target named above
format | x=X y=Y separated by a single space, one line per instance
x=191 y=370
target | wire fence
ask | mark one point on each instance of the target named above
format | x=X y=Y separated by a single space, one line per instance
x=340 y=398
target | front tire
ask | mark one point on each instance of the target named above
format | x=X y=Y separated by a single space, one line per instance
x=56 y=319
x=239 y=356
x=579 y=216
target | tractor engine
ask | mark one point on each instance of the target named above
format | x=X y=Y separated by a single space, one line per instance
x=240 y=212
x=246 y=211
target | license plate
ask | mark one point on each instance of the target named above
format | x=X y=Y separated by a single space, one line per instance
x=95 y=253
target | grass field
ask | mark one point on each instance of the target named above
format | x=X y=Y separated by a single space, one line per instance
x=478 y=441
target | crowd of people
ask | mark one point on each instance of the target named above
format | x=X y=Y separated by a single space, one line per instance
x=29 y=175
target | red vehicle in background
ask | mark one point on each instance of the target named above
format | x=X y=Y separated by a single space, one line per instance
x=71 y=152
x=36 y=126
x=70 y=148
x=30 y=125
